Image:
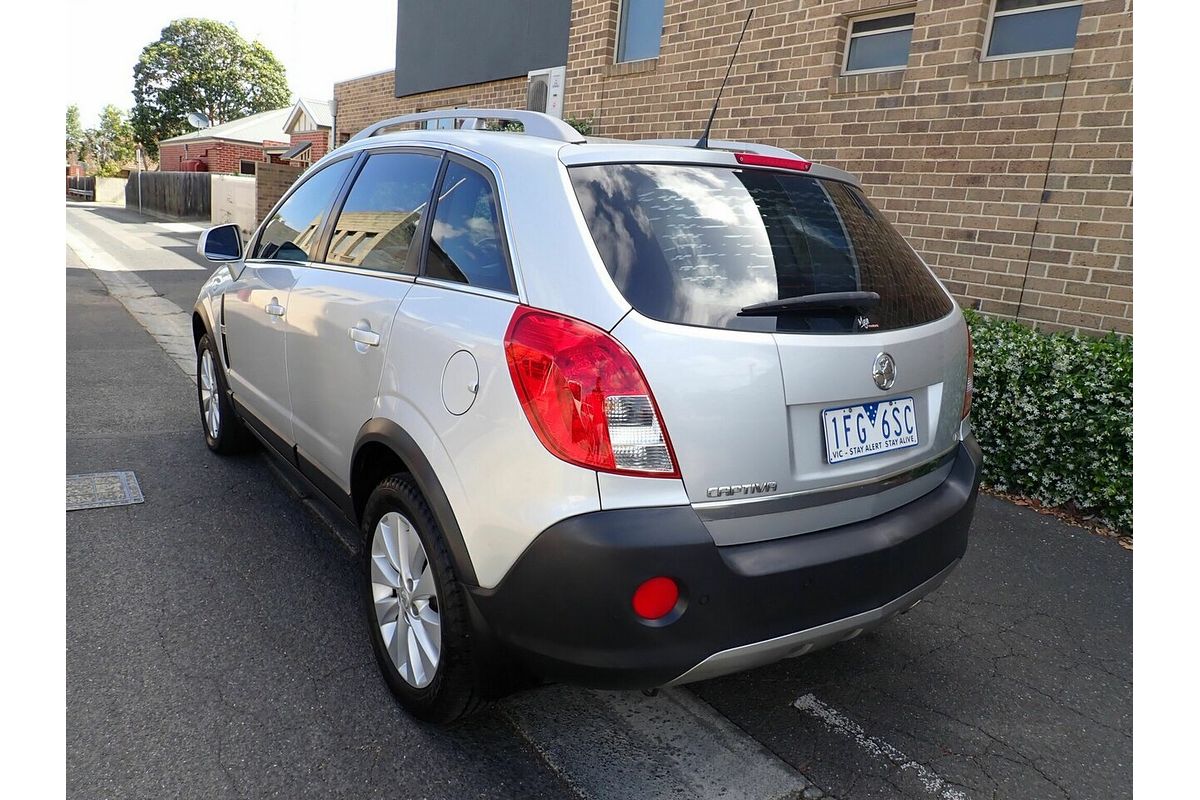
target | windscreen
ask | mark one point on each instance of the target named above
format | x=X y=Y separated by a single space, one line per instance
x=697 y=244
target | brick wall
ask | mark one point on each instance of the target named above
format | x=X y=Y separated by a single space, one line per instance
x=319 y=139
x=363 y=101
x=1012 y=178
x=218 y=155
x=270 y=183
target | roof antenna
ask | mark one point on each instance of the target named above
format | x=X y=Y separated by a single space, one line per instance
x=703 y=142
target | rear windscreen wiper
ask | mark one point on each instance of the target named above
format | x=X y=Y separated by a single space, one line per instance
x=812 y=303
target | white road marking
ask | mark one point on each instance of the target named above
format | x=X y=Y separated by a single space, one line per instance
x=179 y=227
x=169 y=324
x=878 y=748
x=624 y=745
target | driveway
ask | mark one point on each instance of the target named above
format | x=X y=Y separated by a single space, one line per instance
x=216 y=647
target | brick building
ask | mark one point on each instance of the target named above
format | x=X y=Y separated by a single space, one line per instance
x=997 y=134
x=309 y=128
x=234 y=147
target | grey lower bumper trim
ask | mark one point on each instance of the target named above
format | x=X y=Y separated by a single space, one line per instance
x=756 y=654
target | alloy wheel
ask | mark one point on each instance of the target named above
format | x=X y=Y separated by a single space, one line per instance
x=405 y=599
x=210 y=400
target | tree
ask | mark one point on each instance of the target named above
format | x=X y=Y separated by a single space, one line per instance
x=74 y=131
x=110 y=144
x=202 y=65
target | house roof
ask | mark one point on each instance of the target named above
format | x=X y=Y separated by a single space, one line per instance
x=320 y=111
x=295 y=151
x=256 y=128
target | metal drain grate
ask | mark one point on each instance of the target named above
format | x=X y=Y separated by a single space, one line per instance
x=102 y=489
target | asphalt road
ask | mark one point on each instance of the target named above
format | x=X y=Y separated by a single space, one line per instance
x=216 y=648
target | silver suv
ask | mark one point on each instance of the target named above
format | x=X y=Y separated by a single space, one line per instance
x=623 y=414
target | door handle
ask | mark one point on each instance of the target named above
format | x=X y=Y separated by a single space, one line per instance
x=273 y=308
x=364 y=336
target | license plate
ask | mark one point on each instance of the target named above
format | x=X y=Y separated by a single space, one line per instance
x=869 y=429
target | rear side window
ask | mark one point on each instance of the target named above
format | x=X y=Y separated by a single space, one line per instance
x=465 y=241
x=381 y=215
x=291 y=234
x=696 y=244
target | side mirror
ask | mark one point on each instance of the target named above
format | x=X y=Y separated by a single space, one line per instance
x=222 y=243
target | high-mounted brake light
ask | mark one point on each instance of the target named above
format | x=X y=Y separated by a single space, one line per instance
x=585 y=396
x=967 y=395
x=756 y=160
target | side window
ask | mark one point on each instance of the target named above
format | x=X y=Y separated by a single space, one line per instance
x=1026 y=27
x=383 y=211
x=464 y=243
x=292 y=232
x=879 y=43
x=639 y=34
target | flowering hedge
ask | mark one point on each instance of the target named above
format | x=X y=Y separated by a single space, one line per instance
x=1054 y=416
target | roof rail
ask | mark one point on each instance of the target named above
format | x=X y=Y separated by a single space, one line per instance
x=535 y=123
x=733 y=147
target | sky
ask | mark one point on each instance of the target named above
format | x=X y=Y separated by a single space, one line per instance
x=319 y=43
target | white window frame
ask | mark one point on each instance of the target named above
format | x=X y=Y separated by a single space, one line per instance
x=617 y=38
x=851 y=36
x=992 y=14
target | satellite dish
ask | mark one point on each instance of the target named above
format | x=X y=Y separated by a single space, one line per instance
x=198 y=120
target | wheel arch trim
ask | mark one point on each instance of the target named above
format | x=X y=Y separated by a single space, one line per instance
x=390 y=434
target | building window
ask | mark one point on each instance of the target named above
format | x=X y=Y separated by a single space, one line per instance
x=1032 y=27
x=878 y=43
x=247 y=167
x=639 y=32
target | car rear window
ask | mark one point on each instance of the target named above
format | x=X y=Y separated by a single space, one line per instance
x=696 y=244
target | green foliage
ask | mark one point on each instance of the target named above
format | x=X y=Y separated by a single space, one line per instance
x=202 y=65
x=74 y=131
x=584 y=126
x=109 y=145
x=1054 y=415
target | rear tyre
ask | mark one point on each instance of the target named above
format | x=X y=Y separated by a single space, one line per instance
x=416 y=610
x=223 y=431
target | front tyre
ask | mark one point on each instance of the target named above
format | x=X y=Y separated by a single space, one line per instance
x=223 y=431
x=415 y=607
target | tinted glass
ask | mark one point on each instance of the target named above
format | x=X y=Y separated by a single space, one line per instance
x=879 y=50
x=291 y=234
x=383 y=211
x=1034 y=31
x=464 y=243
x=883 y=23
x=641 y=29
x=694 y=245
x=223 y=242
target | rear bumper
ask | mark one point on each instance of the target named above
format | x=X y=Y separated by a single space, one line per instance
x=564 y=608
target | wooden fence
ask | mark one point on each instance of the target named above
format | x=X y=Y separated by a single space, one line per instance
x=184 y=195
x=81 y=188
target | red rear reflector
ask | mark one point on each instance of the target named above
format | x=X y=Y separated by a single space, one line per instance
x=585 y=396
x=756 y=160
x=655 y=598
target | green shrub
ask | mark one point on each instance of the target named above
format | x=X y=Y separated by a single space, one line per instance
x=1054 y=416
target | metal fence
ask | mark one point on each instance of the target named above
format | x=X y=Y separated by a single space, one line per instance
x=81 y=188
x=184 y=195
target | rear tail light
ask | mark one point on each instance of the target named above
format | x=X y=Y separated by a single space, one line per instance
x=966 y=409
x=585 y=396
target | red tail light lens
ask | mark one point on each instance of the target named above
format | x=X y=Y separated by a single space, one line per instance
x=966 y=409
x=585 y=396
x=755 y=160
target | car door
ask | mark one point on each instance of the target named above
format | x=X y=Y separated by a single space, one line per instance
x=256 y=305
x=341 y=310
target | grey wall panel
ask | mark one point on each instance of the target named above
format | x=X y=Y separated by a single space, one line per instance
x=445 y=43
